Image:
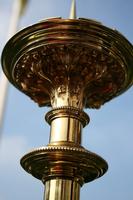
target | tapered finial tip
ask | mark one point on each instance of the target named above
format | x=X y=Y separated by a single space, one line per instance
x=73 y=10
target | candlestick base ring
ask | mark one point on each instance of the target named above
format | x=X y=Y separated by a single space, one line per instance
x=52 y=162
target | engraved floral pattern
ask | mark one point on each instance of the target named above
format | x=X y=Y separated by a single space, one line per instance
x=90 y=76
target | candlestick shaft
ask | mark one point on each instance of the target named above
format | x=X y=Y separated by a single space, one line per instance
x=67 y=190
x=66 y=130
x=66 y=125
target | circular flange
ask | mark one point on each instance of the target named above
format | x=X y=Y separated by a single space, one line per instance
x=81 y=53
x=66 y=111
x=65 y=162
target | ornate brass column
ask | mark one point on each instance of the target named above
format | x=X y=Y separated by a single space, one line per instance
x=68 y=64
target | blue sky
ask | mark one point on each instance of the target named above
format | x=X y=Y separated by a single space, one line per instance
x=110 y=132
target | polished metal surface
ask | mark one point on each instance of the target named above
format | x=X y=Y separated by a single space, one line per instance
x=64 y=157
x=66 y=124
x=67 y=189
x=73 y=14
x=75 y=62
x=62 y=129
x=66 y=161
x=68 y=64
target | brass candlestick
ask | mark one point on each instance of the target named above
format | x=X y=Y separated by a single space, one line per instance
x=68 y=64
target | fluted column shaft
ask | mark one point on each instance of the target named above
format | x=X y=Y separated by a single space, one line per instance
x=62 y=189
